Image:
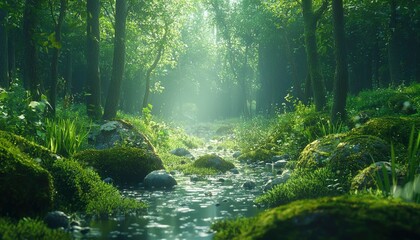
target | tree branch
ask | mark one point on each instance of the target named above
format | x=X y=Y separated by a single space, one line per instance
x=318 y=13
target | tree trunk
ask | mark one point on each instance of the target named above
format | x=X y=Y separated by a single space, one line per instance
x=55 y=56
x=393 y=48
x=310 y=19
x=161 y=49
x=93 y=86
x=68 y=74
x=118 y=61
x=338 y=112
x=12 y=53
x=4 y=58
x=31 y=79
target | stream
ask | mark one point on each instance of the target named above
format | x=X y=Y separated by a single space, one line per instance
x=188 y=210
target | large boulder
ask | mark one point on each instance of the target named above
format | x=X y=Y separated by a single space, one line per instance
x=374 y=176
x=214 y=162
x=159 y=179
x=26 y=188
x=344 y=217
x=116 y=133
x=126 y=165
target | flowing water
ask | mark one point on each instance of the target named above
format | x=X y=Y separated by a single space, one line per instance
x=188 y=210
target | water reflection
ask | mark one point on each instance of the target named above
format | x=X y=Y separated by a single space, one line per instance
x=187 y=211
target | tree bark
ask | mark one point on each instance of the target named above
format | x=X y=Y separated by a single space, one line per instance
x=55 y=56
x=12 y=53
x=4 y=56
x=118 y=61
x=310 y=19
x=31 y=79
x=93 y=86
x=338 y=112
x=393 y=48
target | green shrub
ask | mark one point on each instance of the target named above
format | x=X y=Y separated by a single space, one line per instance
x=303 y=185
x=28 y=228
x=125 y=165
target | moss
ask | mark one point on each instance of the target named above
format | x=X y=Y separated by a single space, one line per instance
x=213 y=161
x=125 y=165
x=344 y=217
x=303 y=185
x=401 y=103
x=317 y=153
x=80 y=189
x=390 y=129
x=29 y=229
x=260 y=154
x=31 y=149
x=26 y=188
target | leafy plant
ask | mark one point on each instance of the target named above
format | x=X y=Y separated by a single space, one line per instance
x=64 y=136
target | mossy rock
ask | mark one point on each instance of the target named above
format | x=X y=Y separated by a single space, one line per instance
x=26 y=188
x=391 y=129
x=126 y=165
x=81 y=189
x=44 y=156
x=402 y=104
x=344 y=217
x=213 y=161
x=367 y=178
x=317 y=153
x=356 y=152
x=260 y=154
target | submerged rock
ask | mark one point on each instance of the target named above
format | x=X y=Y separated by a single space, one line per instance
x=249 y=185
x=214 y=162
x=159 y=179
x=57 y=219
x=334 y=218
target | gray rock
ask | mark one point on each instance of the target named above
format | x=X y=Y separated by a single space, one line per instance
x=57 y=219
x=181 y=152
x=280 y=164
x=249 y=185
x=280 y=157
x=159 y=179
x=109 y=180
x=234 y=171
x=278 y=180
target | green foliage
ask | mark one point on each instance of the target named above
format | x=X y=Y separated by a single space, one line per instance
x=27 y=228
x=342 y=217
x=81 y=189
x=20 y=115
x=64 y=136
x=304 y=185
x=123 y=164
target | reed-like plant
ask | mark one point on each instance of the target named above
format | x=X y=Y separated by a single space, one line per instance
x=64 y=136
x=410 y=188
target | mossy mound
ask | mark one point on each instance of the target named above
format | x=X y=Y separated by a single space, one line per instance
x=368 y=177
x=126 y=165
x=390 y=129
x=317 y=153
x=26 y=189
x=260 y=154
x=42 y=154
x=213 y=161
x=80 y=189
x=30 y=229
x=355 y=153
x=344 y=217
x=402 y=104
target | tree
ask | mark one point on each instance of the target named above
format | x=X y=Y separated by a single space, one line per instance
x=338 y=112
x=118 y=62
x=93 y=86
x=393 y=45
x=310 y=19
x=31 y=79
x=56 y=52
x=4 y=56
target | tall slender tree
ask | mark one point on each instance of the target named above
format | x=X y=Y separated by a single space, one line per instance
x=31 y=79
x=56 y=53
x=112 y=99
x=338 y=112
x=4 y=56
x=393 y=45
x=93 y=85
x=310 y=20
